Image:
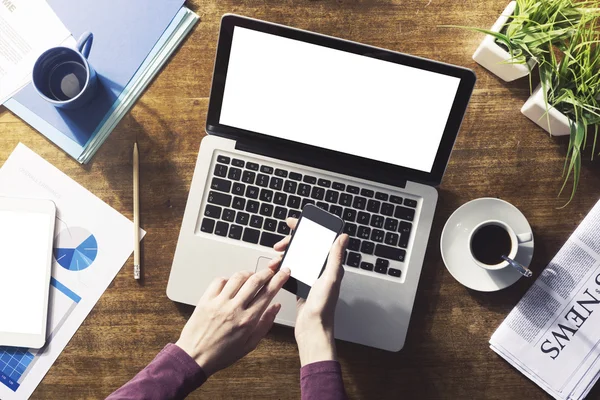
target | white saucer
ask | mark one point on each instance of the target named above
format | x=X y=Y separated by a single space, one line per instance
x=455 y=249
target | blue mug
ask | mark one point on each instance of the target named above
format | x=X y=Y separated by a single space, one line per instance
x=64 y=77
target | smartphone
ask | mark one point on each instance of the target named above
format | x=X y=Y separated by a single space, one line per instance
x=306 y=255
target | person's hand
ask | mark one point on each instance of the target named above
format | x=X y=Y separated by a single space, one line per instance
x=231 y=318
x=315 y=315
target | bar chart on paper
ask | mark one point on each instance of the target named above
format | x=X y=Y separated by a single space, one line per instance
x=16 y=362
x=75 y=249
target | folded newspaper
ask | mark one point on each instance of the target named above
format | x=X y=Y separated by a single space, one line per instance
x=553 y=334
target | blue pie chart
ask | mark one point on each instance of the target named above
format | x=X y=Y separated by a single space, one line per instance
x=75 y=249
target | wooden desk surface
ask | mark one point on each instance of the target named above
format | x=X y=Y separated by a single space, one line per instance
x=499 y=153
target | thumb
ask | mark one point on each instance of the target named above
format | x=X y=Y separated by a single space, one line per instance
x=334 y=270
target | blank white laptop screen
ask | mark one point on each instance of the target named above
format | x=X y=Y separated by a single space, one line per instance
x=336 y=100
x=23 y=268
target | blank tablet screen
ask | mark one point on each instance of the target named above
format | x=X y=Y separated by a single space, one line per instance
x=23 y=266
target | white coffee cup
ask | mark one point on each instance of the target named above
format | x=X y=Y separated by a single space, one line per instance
x=515 y=239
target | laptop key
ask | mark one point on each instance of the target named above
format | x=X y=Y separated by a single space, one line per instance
x=307 y=201
x=252 y=192
x=251 y=235
x=280 y=212
x=309 y=179
x=317 y=193
x=352 y=189
x=373 y=206
x=221 y=199
x=269 y=239
x=252 y=206
x=338 y=186
x=239 y=203
x=366 y=265
x=354 y=244
x=367 y=193
x=242 y=218
x=394 y=272
x=220 y=184
x=220 y=170
x=262 y=180
x=256 y=221
x=223 y=159
x=323 y=206
x=237 y=162
x=280 y=198
x=295 y=176
x=353 y=259
x=294 y=214
x=266 y=169
x=367 y=247
x=332 y=196
x=391 y=224
x=235 y=174
x=266 y=209
x=350 y=229
x=337 y=210
x=391 y=238
x=248 y=177
x=346 y=199
x=294 y=202
x=404 y=213
x=238 y=189
x=324 y=183
x=349 y=215
x=212 y=211
x=381 y=196
x=377 y=221
x=364 y=232
x=222 y=228
x=403 y=242
x=266 y=195
x=208 y=225
x=396 y=199
x=410 y=203
x=235 y=232
x=270 y=225
x=381 y=265
x=281 y=172
x=290 y=186
x=276 y=183
x=363 y=218
x=359 y=202
x=391 y=253
x=228 y=215
x=252 y=166
x=387 y=209
x=304 y=190
x=283 y=228
x=405 y=227
x=377 y=235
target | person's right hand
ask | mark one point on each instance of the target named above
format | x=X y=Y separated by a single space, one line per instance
x=315 y=316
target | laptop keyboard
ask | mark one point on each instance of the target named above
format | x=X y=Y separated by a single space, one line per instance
x=249 y=202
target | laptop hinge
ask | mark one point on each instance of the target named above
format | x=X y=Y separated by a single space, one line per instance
x=355 y=170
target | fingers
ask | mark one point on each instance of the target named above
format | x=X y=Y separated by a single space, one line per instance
x=292 y=222
x=282 y=244
x=253 y=285
x=264 y=325
x=334 y=270
x=235 y=283
x=274 y=263
x=269 y=290
x=215 y=288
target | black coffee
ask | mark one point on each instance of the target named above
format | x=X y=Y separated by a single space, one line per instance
x=490 y=243
x=67 y=80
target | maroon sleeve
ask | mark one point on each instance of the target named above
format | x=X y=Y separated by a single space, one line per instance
x=322 y=381
x=173 y=374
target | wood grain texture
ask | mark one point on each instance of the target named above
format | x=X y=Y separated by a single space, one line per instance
x=499 y=153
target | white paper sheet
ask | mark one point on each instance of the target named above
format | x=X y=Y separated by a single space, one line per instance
x=92 y=242
x=27 y=29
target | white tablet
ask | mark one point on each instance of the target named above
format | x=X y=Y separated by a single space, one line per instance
x=26 y=234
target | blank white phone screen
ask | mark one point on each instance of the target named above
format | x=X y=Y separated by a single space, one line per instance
x=24 y=253
x=336 y=100
x=308 y=251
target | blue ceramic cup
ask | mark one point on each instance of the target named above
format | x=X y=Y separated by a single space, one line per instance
x=64 y=77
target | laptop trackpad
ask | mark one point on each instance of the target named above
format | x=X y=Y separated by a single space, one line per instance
x=287 y=314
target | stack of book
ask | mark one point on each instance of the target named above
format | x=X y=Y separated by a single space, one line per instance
x=132 y=40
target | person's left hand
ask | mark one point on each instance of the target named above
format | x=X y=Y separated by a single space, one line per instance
x=231 y=318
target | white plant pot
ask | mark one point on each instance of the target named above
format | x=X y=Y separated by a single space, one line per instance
x=494 y=58
x=554 y=122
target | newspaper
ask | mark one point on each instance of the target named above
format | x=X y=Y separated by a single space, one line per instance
x=552 y=336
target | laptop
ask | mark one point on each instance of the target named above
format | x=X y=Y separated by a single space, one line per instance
x=300 y=118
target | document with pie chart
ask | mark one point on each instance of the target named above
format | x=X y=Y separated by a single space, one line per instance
x=92 y=242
